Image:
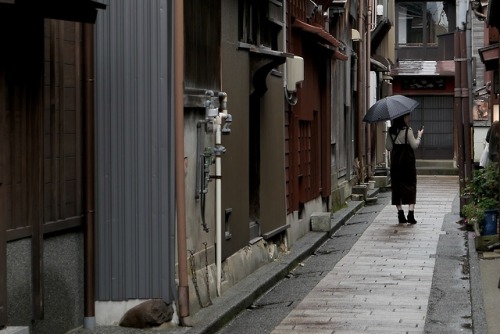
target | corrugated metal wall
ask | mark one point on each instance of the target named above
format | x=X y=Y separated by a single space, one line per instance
x=436 y=114
x=135 y=151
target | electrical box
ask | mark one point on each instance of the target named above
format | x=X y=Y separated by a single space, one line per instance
x=294 y=72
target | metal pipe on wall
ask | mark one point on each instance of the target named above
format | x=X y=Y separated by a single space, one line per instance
x=183 y=288
x=360 y=92
x=465 y=106
x=461 y=95
x=89 y=321
x=368 y=86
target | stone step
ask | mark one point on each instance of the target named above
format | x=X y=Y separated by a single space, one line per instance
x=436 y=167
x=436 y=163
x=436 y=171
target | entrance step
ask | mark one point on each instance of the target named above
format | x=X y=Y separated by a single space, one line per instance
x=436 y=167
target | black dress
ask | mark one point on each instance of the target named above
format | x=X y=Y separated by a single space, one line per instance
x=403 y=172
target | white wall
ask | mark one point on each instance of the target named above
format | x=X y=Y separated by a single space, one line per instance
x=479 y=141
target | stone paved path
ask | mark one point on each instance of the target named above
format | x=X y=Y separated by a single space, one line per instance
x=383 y=284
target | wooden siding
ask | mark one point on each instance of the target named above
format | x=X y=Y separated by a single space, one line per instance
x=342 y=119
x=63 y=144
x=202 y=57
x=478 y=35
x=40 y=138
x=62 y=138
x=308 y=127
x=21 y=146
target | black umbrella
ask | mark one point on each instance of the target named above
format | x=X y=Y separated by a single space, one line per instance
x=389 y=108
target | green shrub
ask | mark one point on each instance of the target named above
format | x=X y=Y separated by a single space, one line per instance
x=483 y=192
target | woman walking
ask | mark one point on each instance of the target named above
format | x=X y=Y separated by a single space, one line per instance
x=402 y=143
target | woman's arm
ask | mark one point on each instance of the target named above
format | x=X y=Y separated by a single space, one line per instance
x=414 y=142
x=388 y=142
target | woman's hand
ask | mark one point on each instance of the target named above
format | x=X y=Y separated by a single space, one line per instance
x=420 y=132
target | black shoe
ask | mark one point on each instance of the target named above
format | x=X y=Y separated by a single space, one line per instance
x=401 y=217
x=411 y=218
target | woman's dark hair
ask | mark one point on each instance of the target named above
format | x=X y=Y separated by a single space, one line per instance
x=397 y=124
x=488 y=134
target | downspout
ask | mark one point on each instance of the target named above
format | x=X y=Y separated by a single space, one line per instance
x=222 y=122
x=465 y=106
x=283 y=38
x=368 y=86
x=468 y=56
x=218 y=204
x=457 y=107
x=89 y=321
x=462 y=126
x=183 y=290
x=360 y=93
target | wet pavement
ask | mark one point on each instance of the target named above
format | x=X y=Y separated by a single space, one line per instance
x=383 y=284
x=423 y=278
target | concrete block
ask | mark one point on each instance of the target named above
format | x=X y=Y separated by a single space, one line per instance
x=361 y=189
x=357 y=197
x=321 y=221
x=380 y=181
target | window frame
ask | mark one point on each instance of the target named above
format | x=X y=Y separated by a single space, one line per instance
x=425 y=34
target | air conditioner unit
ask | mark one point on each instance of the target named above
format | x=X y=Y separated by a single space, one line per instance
x=294 y=72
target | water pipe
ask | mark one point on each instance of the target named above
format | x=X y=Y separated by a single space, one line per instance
x=219 y=150
x=180 y=191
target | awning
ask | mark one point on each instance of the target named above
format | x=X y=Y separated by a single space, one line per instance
x=318 y=31
x=74 y=10
x=379 y=63
x=335 y=53
x=489 y=56
x=321 y=34
x=377 y=66
x=379 y=33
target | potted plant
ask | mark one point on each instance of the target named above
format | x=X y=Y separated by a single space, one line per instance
x=483 y=194
x=360 y=188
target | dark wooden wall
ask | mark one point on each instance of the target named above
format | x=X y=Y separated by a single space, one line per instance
x=308 y=125
x=40 y=137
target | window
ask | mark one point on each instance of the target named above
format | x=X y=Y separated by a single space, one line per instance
x=260 y=22
x=420 y=23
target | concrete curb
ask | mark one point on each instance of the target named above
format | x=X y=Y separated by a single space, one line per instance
x=479 y=321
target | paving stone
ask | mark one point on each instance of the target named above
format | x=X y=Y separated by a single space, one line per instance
x=383 y=284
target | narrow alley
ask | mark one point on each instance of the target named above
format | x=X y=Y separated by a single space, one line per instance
x=387 y=282
x=383 y=284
